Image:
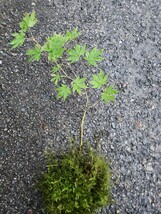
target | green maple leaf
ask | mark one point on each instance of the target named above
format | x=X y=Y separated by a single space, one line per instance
x=24 y=27
x=57 y=40
x=34 y=54
x=63 y=91
x=108 y=94
x=94 y=56
x=76 y=53
x=56 y=79
x=54 y=46
x=18 y=40
x=55 y=69
x=98 y=80
x=79 y=84
x=55 y=54
x=28 y=21
x=73 y=34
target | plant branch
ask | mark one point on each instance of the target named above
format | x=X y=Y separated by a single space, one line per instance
x=70 y=67
x=63 y=71
x=82 y=122
x=95 y=104
x=33 y=38
x=54 y=75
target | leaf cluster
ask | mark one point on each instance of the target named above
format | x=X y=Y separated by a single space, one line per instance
x=56 y=49
x=78 y=84
x=77 y=182
x=28 y=21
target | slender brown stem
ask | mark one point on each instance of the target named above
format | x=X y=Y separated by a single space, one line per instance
x=63 y=71
x=70 y=67
x=94 y=104
x=87 y=107
x=82 y=121
x=33 y=38
x=54 y=75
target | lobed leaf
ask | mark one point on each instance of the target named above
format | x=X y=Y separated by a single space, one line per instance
x=55 y=46
x=18 y=40
x=73 y=34
x=55 y=69
x=79 y=84
x=35 y=54
x=28 y=21
x=56 y=79
x=55 y=54
x=57 y=40
x=63 y=91
x=94 y=56
x=76 y=53
x=108 y=94
x=23 y=26
x=98 y=80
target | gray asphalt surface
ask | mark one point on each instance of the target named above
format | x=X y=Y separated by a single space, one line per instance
x=32 y=120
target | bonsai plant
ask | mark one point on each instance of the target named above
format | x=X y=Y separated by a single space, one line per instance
x=78 y=181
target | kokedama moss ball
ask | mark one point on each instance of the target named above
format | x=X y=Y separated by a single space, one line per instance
x=77 y=182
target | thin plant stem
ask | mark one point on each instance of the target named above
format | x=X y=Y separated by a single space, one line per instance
x=53 y=75
x=70 y=68
x=82 y=121
x=66 y=77
x=87 y=107
x=33 y=38
x=94 y=104
x=63 y=71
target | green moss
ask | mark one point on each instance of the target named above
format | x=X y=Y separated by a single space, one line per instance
x=77 y=182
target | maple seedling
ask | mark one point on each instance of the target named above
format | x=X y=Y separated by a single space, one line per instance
x=57 y=51
x=79 y=181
